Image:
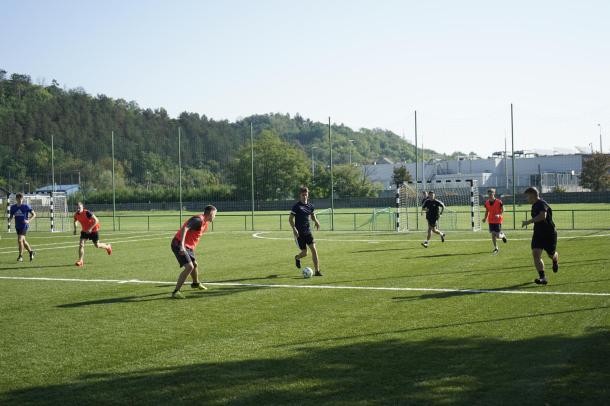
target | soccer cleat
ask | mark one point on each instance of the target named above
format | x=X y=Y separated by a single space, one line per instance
x=297 y=262
x=443 y=237
x=79 y=263
x=495 y=251
x=504 y=240
x=32 y=253
x=198 y=286
x=318 y=273
x=555 y=266
x=19 y=258
x=424 y=244
x=178 y=295
x=540 y=281
x=109 y=249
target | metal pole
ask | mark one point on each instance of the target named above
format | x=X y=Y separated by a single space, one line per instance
x=313 y=164
x=505 y=161
x=52 y=165
x=113 y=185
x=512 y=137
x=252 y=172
x=180 y=171
x=601 y=149
x=332 y=180
x=416 y=177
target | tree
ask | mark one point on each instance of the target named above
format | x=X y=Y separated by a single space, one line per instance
x=596 y=173
x=279 y=169
x=400 y=175
x=349 y=181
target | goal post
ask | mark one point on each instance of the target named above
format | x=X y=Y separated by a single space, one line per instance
x=461 y=198
x=49 y=207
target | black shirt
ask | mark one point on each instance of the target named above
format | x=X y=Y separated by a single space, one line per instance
x=302 y=212
x=543 y=226
x=433 y=207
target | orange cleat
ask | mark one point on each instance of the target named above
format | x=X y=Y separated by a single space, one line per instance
x=109 y=249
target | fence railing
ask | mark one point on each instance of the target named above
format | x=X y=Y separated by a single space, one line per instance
x=566 y=219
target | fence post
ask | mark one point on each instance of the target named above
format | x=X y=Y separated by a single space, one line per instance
x=245 y=222
x=573 y=220
x=280 y=221
x=148 y=226
x=354 y=221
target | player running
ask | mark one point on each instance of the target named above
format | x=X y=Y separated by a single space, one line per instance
x=90 y=226
x=434 y=210
x=23 y=214
x=183 y=246
x=494 y=215
x=299 y=221
x=545 y=234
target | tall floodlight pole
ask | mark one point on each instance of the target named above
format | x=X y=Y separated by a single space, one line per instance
x=416 y=175
x=52 y=165
x=351 y=145
x=313 y=163
x=113 y=185
x=180 y=171
x=601 y=149
x=505 y=161
x=252 y=174
x=512 y=137
x=332 y=180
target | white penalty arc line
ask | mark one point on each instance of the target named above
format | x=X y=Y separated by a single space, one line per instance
x=260 y=235
x=328 y=287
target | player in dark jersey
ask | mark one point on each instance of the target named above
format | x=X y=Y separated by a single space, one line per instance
x=545 y=234
x=434 y=209
x=183 y=246
x=23 y=214
x=299 y=221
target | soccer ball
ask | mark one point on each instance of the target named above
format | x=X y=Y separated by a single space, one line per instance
x=307 y=273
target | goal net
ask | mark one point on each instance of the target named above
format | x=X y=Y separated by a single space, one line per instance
x=51 y=211
x=461 y=198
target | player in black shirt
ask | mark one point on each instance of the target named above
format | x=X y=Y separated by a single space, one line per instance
x=299 y=221
x=434 y=209
x=545 y=234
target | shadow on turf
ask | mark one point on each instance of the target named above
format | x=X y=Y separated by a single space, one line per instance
x=444 y=295
x=553 y=369
x=189 y=294
x=24 y=266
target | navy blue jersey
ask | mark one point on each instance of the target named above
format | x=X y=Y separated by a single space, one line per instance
x=543 y=226
x=302 y=212
x=20 y=213
x=433 y=208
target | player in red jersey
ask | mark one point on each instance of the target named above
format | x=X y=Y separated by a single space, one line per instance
x=183 y=246
x=90 y=226
x=494 y=215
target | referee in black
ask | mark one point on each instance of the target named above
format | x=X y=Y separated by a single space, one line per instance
x=299 y=221
x=545 y=234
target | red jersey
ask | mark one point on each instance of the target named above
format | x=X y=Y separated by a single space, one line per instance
x=196 y=227
x=86 y=220
x=494 y=211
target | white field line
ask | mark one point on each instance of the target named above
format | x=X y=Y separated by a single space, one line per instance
x=329 y=287
x=263 y=237
x=63 y=234
x=36 y=246
x=75 y=245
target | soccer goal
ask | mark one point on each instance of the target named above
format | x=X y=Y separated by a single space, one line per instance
x=51 y=211
x=461 y=199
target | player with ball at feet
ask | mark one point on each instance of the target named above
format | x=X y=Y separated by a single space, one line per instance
x=299 y=221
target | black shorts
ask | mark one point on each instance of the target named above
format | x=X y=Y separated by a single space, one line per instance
x=304 y=240
x=432 y=222
x=182 y=259
x=545 y=241
x=93 y=236
x=22 y=230
x=495 y=228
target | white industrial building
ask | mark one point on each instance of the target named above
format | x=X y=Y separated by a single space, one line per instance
x=546 y=172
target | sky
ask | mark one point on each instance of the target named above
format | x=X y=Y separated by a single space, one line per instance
x=370 y=64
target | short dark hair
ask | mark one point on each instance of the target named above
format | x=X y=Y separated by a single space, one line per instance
x=531 y=191
x=208 y=209
x=19 y=196
x=303 y=189
x=491 y=190
x=431 y=192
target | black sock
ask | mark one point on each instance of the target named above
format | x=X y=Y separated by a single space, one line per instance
x=175 y=290
x=541 y=274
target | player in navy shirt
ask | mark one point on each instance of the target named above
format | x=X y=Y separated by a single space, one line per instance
x=434 y=209
x=23 y=214
x=299 y=221
x=545 y=234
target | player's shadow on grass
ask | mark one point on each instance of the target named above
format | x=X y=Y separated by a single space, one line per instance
x=461 y=370
x=464 y=292
x=459 y=254
x=189 y=294
x=386 y=250
x=274 y=276
x=25 y=267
